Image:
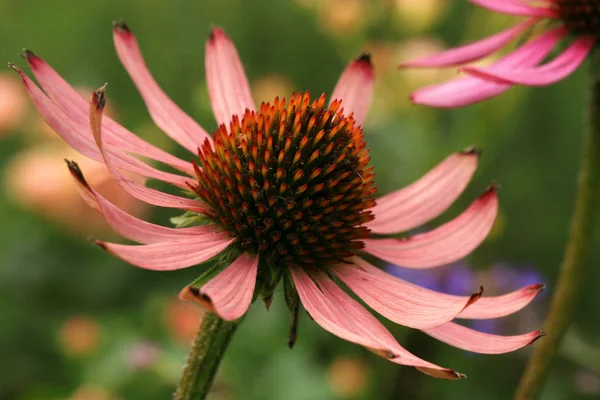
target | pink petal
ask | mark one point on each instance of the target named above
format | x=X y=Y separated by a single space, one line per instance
x=74 y=135
x=468 y=90
x=164 y=112
x=169 y=256
x=129 y=226
x=547 y=74
x=227 y=83
x=445 y=244
x=479 y=342
x=426 y=198
x=229 y=294
x=515 y=7
x=401 y=301
x=472 y=51
x=75 y=107
x=341 y=315
x=355 y=88
x=501 y=306
x=148 y=195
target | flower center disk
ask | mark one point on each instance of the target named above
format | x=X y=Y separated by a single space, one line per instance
x=292 y=182
x=581 y=17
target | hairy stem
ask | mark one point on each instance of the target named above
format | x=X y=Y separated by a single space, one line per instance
x=574 y=265
x=204 y=358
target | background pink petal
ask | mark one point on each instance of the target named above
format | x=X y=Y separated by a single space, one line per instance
x=547 y=74
x=472 y=51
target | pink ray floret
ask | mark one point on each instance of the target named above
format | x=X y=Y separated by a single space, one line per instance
x=523 y=66
x=230 y=292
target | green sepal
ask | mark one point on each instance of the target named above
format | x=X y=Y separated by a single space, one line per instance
x=269 y=276
x=190 y=218
x=216 y=265
x=289 y=292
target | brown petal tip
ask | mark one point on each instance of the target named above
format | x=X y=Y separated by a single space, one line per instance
x=494 y=187
x=29 y=55
x=99 y=97
x=472 y=150
x=474 y=297
x=15 y=67
x=214 y=31
x=364 y=58
x=193 y=294
x=101 y=244
x=121 y=27
x=540 y=334
x=76 y=172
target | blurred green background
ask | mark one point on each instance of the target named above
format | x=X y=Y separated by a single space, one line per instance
x=76 y=323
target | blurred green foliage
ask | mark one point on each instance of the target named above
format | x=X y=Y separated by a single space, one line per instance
x=72 y=317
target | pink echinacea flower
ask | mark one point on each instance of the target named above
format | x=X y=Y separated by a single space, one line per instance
x=523 y=66
x=285 y=191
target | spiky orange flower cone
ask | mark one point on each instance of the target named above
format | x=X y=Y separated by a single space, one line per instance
x=285 y=192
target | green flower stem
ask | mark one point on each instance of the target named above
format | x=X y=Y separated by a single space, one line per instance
x=573 y=269
x=204 y=357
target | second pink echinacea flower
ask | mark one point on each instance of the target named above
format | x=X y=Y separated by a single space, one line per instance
x=286 y=191
x=577 y=19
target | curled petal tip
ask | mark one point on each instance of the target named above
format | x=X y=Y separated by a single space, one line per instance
x=190 y=293
x=474 y=297
x=540 y=334
x=100 y=244
x=472 y=150
x=99 y=97
x=460 y=375
x=121 y=27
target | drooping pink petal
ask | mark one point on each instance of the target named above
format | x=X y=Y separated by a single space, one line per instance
x=515 y=7
x=170 y=256
x=472 y=51
x=355 y=88
x=75 y=107
x=348 y=314
x=547 y=74
x=400 y=301
x=480 y=342
x=229 y=294
x=445 y=244
x=227 y=82
x=129 y=226
x=329 y=317
x=164 y=112
x=503 y=305
x=468 y=90
x=426 y=198
x=74 y=135
x=148 y=195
